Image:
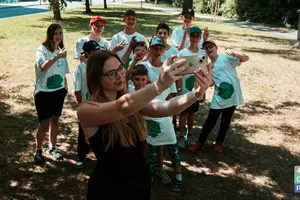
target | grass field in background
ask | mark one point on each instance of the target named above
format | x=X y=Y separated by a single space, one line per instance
x=260 y=151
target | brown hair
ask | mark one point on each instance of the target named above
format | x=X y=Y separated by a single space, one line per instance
x=126 y=132
x=48 y=43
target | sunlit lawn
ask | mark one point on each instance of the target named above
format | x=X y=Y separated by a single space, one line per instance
x=261 y=148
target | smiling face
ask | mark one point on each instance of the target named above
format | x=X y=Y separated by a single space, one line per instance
x=97 y=27
x=113 y=75
x=187 y=20
x=130 y=21
x=163 y=33
x=58 y=36
x=210 y=49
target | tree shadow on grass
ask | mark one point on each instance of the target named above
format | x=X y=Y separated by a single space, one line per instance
x=245 y=170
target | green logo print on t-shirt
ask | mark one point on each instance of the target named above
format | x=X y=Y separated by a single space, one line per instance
x=153 y=128
x=225 y=90
x=54 y=81
x=189 y=83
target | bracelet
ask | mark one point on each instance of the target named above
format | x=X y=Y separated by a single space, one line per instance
x=156 y=88
x=179 y=89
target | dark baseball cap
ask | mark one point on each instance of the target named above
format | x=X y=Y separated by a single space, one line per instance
x=130 y=13
x=188 y=12
x=91 y=46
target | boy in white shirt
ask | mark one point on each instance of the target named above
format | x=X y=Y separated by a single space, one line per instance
x=179 y=38
x=160 y=130
x=97 y=26
x=128 y=36
x=81 y=95
x=187 y=84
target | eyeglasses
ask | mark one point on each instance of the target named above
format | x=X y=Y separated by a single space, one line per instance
x=113 y=74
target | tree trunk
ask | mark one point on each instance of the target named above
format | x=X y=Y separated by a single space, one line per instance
x=187 y=4
x=87 y=6
x=56 y=15
x=105 y=5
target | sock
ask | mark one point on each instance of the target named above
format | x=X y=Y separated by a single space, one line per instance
x=179 y=177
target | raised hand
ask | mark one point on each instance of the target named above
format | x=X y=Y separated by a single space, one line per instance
x=132 y=42
x=62 y=54
x=203 y=81
x=229 y=52
x=169 y=73
x=119 y=46
x=205 y=34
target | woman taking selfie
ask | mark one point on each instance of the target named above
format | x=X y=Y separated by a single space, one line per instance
x=50 y=89
x=113 y=122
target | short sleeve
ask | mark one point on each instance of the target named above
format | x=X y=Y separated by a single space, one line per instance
x=114 y=42
x=41 y=56
x=77 y=80
x=234 y=61
x=78 y=49
x=174 y=40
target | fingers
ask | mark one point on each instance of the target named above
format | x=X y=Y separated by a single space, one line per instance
x=169 y=60
x=122 y=42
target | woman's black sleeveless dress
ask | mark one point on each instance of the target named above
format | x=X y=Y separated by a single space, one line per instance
x=121 y=173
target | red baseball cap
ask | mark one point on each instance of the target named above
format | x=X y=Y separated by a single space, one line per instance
x=97 y=18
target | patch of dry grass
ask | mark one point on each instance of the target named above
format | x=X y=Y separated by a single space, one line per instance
x=261 y=147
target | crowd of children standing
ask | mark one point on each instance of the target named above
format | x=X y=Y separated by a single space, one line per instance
x=127 y=92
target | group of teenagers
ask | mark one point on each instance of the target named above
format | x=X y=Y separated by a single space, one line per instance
x=127 y=94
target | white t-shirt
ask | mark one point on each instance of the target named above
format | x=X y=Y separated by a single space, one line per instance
x=188 y=80
x=160 y=130
x=177 y=36
x=80 y=81
x=52 y=79
x=227 y=91
x=79 y=44
x=171 y=51
x=118 y=37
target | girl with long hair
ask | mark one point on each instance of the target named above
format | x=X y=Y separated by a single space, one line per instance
x=113 y=122
x=50 y=89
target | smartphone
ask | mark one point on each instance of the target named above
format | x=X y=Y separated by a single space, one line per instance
x=194 y=63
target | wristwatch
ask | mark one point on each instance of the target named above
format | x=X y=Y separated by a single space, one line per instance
x=179 y=89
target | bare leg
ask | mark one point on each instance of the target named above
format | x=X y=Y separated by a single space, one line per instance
x=53 y=131
x=160 y=158
x=41 y=133
x=190 y=121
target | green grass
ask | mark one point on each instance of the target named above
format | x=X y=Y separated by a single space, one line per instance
x=261 y=147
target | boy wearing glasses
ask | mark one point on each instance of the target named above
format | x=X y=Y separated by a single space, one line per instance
x=179 y=38
x=81 y=95
x=187 y=84
x=97 y=26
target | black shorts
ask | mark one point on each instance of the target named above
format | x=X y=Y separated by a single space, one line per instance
x=193 y=108
x=49 y=104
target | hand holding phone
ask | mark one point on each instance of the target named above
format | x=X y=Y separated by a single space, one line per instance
x=194 y=63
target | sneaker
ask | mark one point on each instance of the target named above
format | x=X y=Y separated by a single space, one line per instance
x=164 y=177
x=195 y=147
x=56 y=154
x=218 y=148
x=177 y=187
x=79 y=164
x=192 y=140
x=181 y=142
x=38 y=157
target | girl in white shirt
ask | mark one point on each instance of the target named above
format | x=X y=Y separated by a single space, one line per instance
x=50 y=89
